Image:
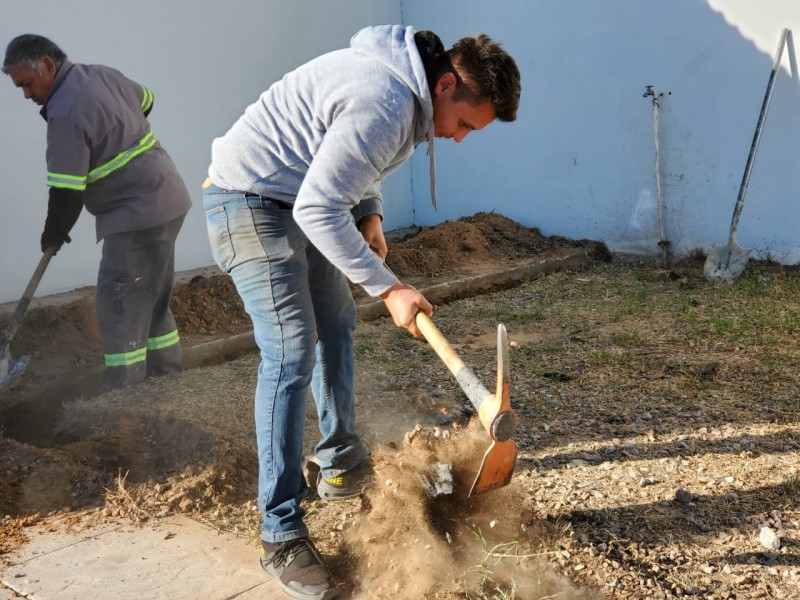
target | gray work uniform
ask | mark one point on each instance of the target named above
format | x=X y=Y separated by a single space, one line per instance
x=99 y=142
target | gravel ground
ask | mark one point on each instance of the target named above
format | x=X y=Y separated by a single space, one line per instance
x=658 y=423
x=657 y=430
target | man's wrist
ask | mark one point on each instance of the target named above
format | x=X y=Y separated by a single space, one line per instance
x=369 y=218
x=396 y=286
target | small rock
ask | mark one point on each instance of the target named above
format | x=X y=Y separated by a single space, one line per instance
x=769 y=539
x=691 y=590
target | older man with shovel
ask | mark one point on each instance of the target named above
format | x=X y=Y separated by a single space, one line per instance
x=101 y=154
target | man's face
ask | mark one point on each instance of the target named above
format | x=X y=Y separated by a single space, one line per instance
x=34 y=85
x=454 y=119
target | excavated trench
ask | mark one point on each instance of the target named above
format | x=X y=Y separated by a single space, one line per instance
x=471 y=256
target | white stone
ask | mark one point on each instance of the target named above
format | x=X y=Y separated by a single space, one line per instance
x=769 y=539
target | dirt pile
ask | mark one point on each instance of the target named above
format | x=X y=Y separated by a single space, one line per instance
x=64 y=344
x=208 y=306
x=485 y=242
x=58 y=334
x=470 y=245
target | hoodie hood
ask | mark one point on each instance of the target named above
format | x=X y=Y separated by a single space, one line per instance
x=394 y=46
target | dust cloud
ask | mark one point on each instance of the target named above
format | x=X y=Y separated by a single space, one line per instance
x=408 y=544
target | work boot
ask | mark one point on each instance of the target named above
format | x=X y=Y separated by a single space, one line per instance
x=345 y=485
x=297 y=567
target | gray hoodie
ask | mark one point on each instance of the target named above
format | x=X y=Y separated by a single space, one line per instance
x=325 y=136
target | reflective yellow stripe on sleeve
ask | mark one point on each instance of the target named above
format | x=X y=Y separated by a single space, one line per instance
x=122 y=159
x=62 y=180
x=147 y=99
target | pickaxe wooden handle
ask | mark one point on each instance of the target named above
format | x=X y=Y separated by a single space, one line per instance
x=494 y=410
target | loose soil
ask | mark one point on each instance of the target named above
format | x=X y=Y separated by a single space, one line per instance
x=652 y=458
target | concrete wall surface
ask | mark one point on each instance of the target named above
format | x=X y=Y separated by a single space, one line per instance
x=578 y=162
x=580 y=159
x=205 y=61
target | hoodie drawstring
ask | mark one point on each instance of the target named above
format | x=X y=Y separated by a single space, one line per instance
x=432 y=159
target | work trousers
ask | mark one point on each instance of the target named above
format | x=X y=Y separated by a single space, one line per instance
x=304 y=318
x=134 y=287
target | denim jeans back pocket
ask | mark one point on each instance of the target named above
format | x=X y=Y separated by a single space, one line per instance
x=219 y=235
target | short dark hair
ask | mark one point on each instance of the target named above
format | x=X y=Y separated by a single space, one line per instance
x=487 y=72
x=484 y=70
x=29 y=50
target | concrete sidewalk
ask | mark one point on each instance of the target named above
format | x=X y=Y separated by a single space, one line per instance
x=175 y=559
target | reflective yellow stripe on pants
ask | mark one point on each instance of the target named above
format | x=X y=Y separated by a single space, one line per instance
x=126 y=359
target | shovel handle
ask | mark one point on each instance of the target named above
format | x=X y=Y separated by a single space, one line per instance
x=737 y=211
x=27 y=295
x=469 y=382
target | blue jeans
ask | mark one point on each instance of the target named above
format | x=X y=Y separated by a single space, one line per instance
x=303 y=317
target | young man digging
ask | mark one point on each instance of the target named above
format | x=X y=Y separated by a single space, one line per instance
x=293 y=208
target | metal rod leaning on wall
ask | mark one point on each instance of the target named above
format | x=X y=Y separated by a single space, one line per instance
x=663 y=243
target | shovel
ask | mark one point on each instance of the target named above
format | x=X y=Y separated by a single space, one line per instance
x=494 y=410
x=726 y=263
x=11 y=369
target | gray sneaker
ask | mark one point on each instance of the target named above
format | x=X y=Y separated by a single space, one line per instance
x=346 y=485
x=297 y=568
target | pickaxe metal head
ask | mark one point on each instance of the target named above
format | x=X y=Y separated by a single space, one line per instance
x=494 y=410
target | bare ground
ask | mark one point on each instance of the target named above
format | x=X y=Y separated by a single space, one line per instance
x=658 y=433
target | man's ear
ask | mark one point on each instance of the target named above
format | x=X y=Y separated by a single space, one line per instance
x=446 y=82
x=49 y=66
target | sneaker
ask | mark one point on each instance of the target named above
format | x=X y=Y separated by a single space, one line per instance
x=297 y=567
x=346 y=485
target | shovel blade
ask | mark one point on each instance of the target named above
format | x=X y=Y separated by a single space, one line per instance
x=11 y=370
x=726 y=263
x=497 y=467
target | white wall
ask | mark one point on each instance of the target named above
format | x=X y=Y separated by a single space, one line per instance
x=205 y=60
x=579 y=161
